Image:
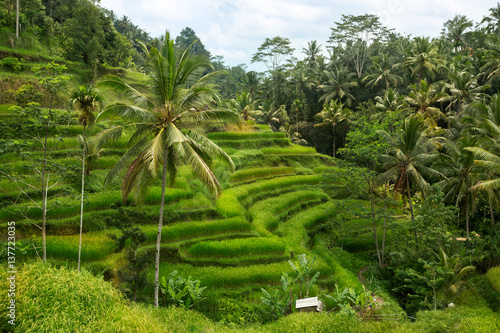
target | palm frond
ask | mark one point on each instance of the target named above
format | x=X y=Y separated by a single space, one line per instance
x=105 y=136
x=210 y=147
x=124 y=160
x=125 y=111
x=123 y=89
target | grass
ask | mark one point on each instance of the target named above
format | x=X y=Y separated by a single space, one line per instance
x=245 y=136
x=255 y=173
x=266 y=214
x=237 y=247
x=228 y=205
x=295 y=149
x=93 y=201
x=189 y=230
x=95 y=246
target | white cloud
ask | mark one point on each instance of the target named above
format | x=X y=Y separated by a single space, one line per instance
x=236 y=28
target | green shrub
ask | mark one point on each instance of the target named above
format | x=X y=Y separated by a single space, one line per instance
x=12 y=63
x=493 y=276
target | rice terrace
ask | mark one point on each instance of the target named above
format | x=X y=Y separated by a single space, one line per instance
x=349 y=185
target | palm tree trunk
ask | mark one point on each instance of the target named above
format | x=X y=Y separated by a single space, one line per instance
x=491 y=211
x=44 y=194
x=333 y=141
x=81 y=200
x=160 y=225
x=467 y=217
x=17 y=19
x=411 y=209
x=375 y=231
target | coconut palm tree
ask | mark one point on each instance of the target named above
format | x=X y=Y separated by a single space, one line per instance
x=339 y=86
x=382 y=74
x=425 y=61
x=86 y=98
x=461 y=173
x=424 y=100
x=332 y=115
x=408 y=159
x=165 y=126
x=243 y=105
x=312 y=52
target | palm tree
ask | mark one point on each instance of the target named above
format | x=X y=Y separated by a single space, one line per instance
x=332 y=115
x=423 y=99
x=464 y=89
x=425 y=60
x=164 y=126
x=312 y=52
x=461 y=173
x=243 y=105
x=493 y=21
x=270 y=115
x=383 y=74
x=251 y=83
x=86 y=98
x=410 y=153
x=338 y=86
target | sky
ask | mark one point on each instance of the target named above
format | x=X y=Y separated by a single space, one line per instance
x=235 y=29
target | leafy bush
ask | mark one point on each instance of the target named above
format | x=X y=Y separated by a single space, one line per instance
x=182 y=292
x=12 y=63
x=493 y=276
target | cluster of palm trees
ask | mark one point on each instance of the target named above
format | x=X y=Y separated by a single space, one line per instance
x=444 y=92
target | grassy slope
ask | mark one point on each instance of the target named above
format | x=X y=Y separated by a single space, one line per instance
x=276 y=197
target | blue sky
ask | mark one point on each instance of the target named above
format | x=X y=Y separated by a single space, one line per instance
x=236 y=28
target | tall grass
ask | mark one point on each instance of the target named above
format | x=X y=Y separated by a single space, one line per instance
x=189 y=230
x=237 y=247
x=253 y=173
x=266 y=214
x=64 y=300
x=295 y=149
x=95 y=246
x=229 y=205
x=245 y=136
x=93 y=201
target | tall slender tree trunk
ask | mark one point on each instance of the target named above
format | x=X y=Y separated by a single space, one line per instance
x=160 y=225
x=467 y=217
x=333 y=141
x=81 y=200
x=385 y=229
x=17 y=19
x=372 y=203
x=44 y=193
x=492 y=212
x=411 y=209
